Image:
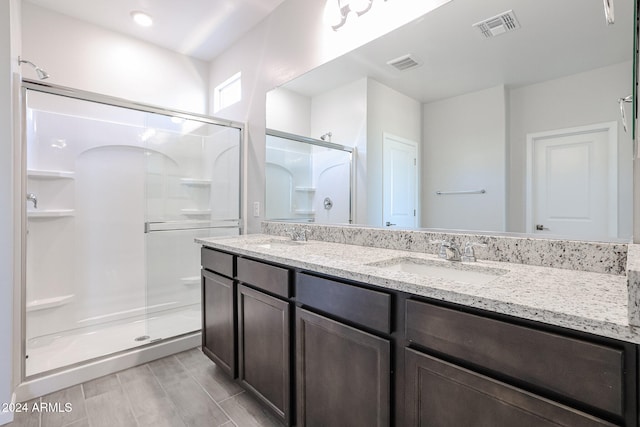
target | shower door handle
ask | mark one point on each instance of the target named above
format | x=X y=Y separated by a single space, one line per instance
x=154 y=226
x=621 y=102
x=608 y=12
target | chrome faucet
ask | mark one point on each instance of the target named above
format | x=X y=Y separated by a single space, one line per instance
x=469 y=254
x=448 y=250
x=32 y=197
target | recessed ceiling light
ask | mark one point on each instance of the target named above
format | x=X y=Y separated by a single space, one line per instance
x=141 y=18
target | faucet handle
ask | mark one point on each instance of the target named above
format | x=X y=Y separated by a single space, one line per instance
x=469 y=254
x=444 y=244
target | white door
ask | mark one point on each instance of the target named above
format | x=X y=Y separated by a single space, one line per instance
x=399 y=181
x=572 y=182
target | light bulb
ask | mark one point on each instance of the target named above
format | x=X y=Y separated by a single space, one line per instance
x=141 y=18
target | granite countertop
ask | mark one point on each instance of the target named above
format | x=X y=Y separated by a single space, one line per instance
x=585 y=301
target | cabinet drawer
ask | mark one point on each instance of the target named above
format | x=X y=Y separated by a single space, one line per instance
x=359 y=305
x=219 y=262
x=580 y=370
x=440 y=393
x=264 y=276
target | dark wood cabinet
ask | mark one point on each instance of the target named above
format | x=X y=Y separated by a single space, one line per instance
x=343 y=374
x=443 y=394
x=587 y=372
x=218 y=335
x=353 y=354
x=355 y=304
x=264 y=349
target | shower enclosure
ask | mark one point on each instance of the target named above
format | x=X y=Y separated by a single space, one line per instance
x=115 y=195
x=307 y=179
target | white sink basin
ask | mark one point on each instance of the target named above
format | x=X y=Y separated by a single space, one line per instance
x=275 y=243
x=460 y=272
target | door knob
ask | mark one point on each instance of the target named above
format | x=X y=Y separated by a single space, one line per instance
x=541 y=227
x=388 y=224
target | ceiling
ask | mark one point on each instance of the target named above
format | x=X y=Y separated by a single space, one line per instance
x=556 y=38
x=198 y=28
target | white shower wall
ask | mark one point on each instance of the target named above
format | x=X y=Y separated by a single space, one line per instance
x=331 y=175
x=87 y=252
x=289 y=180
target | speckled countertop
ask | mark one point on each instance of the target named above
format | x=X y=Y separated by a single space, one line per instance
x=586 y=301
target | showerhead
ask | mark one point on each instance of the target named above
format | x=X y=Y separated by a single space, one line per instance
x=326 y=136
x=42 y=74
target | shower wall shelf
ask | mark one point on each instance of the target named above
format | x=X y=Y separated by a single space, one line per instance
x=49 y=174
x=51 y=213
x=306 y=189
x=189 y=281
x=195 y=181
x=196 y=211
x=44 y=303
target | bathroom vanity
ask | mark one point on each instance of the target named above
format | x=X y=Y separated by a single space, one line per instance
x=333 y=334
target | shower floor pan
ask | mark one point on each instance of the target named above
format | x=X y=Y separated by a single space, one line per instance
x=68 y=348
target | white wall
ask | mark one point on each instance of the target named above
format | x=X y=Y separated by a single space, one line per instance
x=9 y=257
x=87 y=57
x=289 y=112
x=464 y=149
x=395 y=113
x=291 y=41
x=577 y=100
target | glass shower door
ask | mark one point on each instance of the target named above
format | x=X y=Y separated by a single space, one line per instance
x=192 y=190
x=307 y=180
x=114 y=199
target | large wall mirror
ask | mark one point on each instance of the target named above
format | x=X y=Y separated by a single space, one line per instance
x=510 y=125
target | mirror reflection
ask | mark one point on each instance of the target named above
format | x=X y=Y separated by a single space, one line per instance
x=307 y=180
x=500 y=115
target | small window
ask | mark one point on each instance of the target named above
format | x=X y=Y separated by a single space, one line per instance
x=228 y=92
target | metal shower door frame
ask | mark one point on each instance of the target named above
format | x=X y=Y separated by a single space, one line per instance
x=21 y=186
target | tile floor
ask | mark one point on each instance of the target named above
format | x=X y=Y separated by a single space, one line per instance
x=185 y=389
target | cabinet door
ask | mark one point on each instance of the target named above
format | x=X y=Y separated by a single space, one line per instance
x=218 y=335
x=343 y=374
x=264 y=349
x=442 y=394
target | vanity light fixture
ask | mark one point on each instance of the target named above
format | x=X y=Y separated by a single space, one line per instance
x=141 y=18
x=337 y=11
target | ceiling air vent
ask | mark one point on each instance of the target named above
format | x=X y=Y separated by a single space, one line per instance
x=403 y=63
x=499 y=24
